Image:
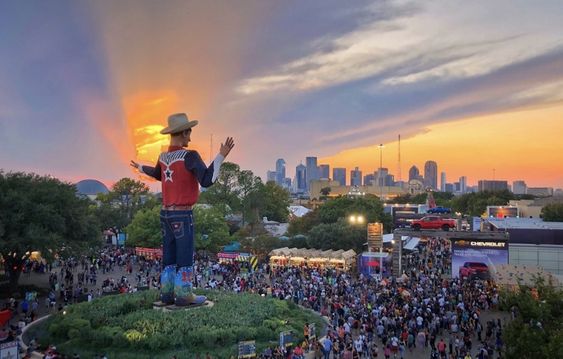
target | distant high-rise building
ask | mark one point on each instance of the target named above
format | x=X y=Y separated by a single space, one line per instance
x=450 y=187
x=540 y=191
x=312 y=170
x=271 y=176
x=286 y=183
x=414 y=173
x=280 y=171
x=369 y=179
x=356 y=177
x=492 y=185
x=324 y=171
x=463 y=184
x=443 y=181
x=300 y=182
x=381 y=176
x=431 y=174
x=339 y=174
x=519 y=187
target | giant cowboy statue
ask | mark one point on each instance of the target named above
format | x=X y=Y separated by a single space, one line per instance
x=181 y=172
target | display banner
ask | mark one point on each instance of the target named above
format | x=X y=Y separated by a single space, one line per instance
x=477 y=258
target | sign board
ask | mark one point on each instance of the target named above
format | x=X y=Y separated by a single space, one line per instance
x=121 y=239
x=247 y=349
x=477 y=258
x=286 y=339
x=395 y=257
x=9 y=350
x=375 y=235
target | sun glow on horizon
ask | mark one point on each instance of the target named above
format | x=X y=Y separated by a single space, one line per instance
x=510 y=146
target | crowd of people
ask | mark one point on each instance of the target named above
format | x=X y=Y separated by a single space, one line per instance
x=423 y=310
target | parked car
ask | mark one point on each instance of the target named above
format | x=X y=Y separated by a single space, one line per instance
x=439 y=210
x=474 y=270
x=433 y=222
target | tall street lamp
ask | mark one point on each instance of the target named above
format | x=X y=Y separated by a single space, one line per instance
x=379 y=172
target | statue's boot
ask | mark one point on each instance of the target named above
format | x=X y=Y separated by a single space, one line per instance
x=183 y=288
x=167 y=284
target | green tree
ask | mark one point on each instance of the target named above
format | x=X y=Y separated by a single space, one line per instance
x=276 y=202
x=338 y=235
x=261 y=245
x=225 y=192
x=118 y=207
x=42 y=214
x=552 y=212
x=537 y=330
x=302 y=225
x=475 y=204
x=211 y=230
x=144 y=230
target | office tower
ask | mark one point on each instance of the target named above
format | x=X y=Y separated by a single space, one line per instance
x=286 y=183
x=450 y=187
x=431 y=174
x=369 y=180
x=339 y=174
x=463 y=184
x=381 y=176
x=492 y=186
x=300 y=181
x=280 y=171
x=414 y=173
x=324 y=171
x=519 y=187
x=271 y=176
x=312 y=170
x=443 y=181
x=356 y=177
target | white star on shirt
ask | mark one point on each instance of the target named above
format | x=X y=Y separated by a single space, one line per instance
x=168 y=175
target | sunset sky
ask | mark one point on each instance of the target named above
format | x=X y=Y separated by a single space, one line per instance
x=85 y=86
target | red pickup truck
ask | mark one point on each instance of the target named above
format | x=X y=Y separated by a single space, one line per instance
x=433 y=222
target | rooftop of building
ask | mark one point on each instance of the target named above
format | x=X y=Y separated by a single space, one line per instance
x=524 y=223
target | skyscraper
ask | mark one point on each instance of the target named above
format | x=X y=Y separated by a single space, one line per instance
x=356 y=177
x=381 y=177
x=312 y=170
x=271 y=176
x=519 y=187
x=492 y=185
x=300 y=181
x=463 y=184
x=369 y=179
x=414 y=173
x=339 y=174
x=324 y=171
x=431 y=174
x=443 y=181
x=280 y=171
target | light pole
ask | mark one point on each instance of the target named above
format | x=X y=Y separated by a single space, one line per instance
x=379 y=172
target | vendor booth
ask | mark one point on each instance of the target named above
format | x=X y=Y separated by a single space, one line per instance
x=149 y=253
x=339 y=259
x=240 y=257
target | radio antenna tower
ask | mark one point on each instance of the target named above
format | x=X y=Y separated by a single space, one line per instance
x=211 y=148
x=399 y=162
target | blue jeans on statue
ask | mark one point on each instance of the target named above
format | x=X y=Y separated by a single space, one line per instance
x=177 y=238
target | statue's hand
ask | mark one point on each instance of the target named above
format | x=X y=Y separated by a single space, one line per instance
x=135 y=165
x=227 y=146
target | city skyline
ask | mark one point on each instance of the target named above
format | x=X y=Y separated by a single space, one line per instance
x=462 y=180
x=97 y=80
